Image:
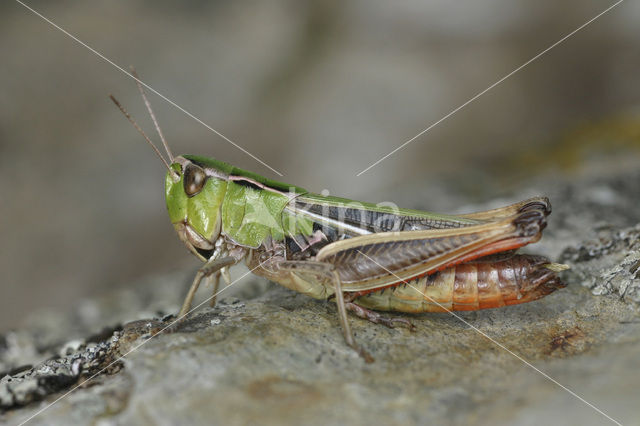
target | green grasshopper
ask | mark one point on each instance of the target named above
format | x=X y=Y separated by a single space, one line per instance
x=367 y=257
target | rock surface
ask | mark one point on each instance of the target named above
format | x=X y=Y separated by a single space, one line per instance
x=271 y=356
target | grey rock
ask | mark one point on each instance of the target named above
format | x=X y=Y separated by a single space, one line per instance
x=610 y=264
x=19 y=388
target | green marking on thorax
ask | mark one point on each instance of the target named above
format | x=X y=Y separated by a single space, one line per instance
x=247 y=215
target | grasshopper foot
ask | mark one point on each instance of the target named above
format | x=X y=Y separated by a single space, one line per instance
x=377 y=318
x=365 y=355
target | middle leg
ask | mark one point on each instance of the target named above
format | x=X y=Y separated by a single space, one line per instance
x=327 y=272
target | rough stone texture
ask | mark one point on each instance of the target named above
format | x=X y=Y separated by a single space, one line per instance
x=610 y=264
x=270 y=356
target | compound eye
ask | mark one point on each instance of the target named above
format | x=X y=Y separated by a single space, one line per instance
x=194 y=179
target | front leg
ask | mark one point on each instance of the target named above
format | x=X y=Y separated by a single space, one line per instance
x=327 y=272
x=224 y=272
x=210 y=268
x=216 y=285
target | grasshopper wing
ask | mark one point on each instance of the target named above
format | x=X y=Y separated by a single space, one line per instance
x=541 y=204
x=377 y=260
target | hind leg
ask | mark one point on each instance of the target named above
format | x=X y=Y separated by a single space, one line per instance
x=377 y=318
x=328 y=273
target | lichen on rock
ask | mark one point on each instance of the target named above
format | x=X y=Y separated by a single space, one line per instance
x=609 y=264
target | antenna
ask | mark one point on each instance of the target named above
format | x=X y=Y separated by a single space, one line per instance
x=132 y=121
x=153 y=116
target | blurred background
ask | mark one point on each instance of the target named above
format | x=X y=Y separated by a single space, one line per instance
x=318 y=90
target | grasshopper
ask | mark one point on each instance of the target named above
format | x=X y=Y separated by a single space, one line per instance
x=367 y=257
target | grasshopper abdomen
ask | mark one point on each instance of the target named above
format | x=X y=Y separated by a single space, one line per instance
x=469 y=287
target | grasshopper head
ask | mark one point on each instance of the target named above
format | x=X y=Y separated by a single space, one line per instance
x=194 y=192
